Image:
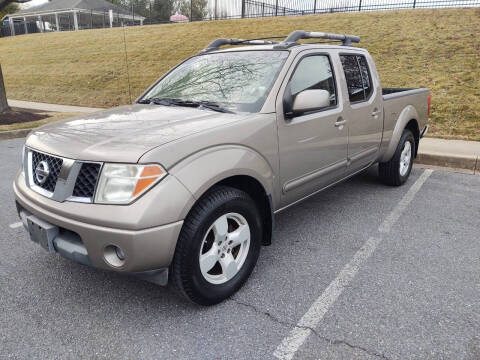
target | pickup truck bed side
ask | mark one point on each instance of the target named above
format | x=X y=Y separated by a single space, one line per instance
x=400 y=106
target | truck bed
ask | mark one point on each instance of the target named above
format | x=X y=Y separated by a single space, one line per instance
x=398 y=100
x=389 y=93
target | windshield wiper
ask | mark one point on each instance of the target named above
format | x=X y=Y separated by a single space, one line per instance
x=188 y=103
x=214 y=106
x=161 y=101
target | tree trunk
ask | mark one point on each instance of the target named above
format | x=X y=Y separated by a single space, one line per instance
x=3 y=95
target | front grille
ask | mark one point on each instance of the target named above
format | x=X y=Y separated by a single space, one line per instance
x=43 y=174
x=86 y=180
x=54 y=166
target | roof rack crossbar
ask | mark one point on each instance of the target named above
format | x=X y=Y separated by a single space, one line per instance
x=290 y=40
x=296 y=35
x=216 y=44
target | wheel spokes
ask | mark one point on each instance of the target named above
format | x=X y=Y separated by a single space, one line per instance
x=220 y=228
x=407 y=150
x=209 y=259
x=229 y=266
x=239 y=236
x=405 y=158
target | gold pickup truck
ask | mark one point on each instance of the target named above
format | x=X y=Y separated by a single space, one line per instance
x=185 y=182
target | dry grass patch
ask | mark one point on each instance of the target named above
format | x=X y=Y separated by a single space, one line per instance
x=438 y=49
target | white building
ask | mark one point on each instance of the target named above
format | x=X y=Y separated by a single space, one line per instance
x=64 y=15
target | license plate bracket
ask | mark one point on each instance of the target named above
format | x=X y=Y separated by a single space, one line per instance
x=42 y=232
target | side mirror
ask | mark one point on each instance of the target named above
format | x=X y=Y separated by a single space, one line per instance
x=310 y=100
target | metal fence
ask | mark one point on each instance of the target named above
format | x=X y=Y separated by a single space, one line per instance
x=146 y=14
x=255 y=8
x=265 y=8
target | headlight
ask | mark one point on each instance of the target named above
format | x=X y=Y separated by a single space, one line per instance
x=122 y=183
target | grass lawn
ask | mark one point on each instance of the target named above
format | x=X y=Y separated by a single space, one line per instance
x=31 y=124
x=438 y=49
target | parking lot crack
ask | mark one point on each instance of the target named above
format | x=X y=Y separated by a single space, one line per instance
x=352 y=346
x=264 y=313
x=326 y=339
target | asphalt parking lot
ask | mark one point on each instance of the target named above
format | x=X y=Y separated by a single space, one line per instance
x=360 y=271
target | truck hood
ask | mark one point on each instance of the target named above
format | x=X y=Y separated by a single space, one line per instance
x=125 y=133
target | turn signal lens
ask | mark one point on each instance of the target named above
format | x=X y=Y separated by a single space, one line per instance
x=122 y=183
x=149 y=175
x=429 y=104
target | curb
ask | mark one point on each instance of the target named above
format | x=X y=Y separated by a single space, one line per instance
x=13 y=134
x=467 y=162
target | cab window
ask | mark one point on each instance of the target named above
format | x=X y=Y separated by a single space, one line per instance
x=357 y=76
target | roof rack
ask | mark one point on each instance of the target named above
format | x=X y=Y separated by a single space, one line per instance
x=296 y=35
x=291 y=40
x=216 y=44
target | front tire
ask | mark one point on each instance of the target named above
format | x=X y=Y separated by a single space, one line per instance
x=218 y=246
x=396 y=171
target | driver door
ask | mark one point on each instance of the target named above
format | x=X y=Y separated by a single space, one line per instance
x=312 y=145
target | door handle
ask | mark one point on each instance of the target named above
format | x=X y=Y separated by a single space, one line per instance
x=340 y=122
x=375 y=112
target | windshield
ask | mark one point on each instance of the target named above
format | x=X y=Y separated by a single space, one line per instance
x=237 y=81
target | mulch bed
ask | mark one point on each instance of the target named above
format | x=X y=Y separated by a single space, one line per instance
x=20 y=116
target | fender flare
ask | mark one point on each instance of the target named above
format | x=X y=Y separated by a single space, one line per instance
x=407 y=114
x=200 y=171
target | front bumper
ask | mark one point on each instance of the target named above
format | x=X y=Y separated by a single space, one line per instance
x=145 y=250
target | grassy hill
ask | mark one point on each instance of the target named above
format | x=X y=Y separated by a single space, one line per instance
x=438 y=49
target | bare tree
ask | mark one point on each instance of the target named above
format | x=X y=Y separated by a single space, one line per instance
x=5 y=3
x=3 y=95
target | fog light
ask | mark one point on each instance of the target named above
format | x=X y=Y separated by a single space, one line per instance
x=114 y=256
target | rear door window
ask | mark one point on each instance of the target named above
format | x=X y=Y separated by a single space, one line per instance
x=367 y=81
x=357 y=76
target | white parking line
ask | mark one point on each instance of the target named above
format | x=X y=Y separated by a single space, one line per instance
x=402 y=205
x=290 y=344
x=16 y=225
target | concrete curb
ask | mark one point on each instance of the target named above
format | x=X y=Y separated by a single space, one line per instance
x=468 y=162
x=13 y=134
x=459 y=154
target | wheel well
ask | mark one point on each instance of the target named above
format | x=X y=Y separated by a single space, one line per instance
x=413 y=127
x=255 y=189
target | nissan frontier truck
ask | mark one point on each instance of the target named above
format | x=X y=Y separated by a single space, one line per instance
x=185 y=182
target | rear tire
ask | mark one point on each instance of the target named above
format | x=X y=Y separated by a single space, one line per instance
x=218 y=246
x=396 y=171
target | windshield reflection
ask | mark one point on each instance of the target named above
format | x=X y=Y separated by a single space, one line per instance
x=239 y=81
